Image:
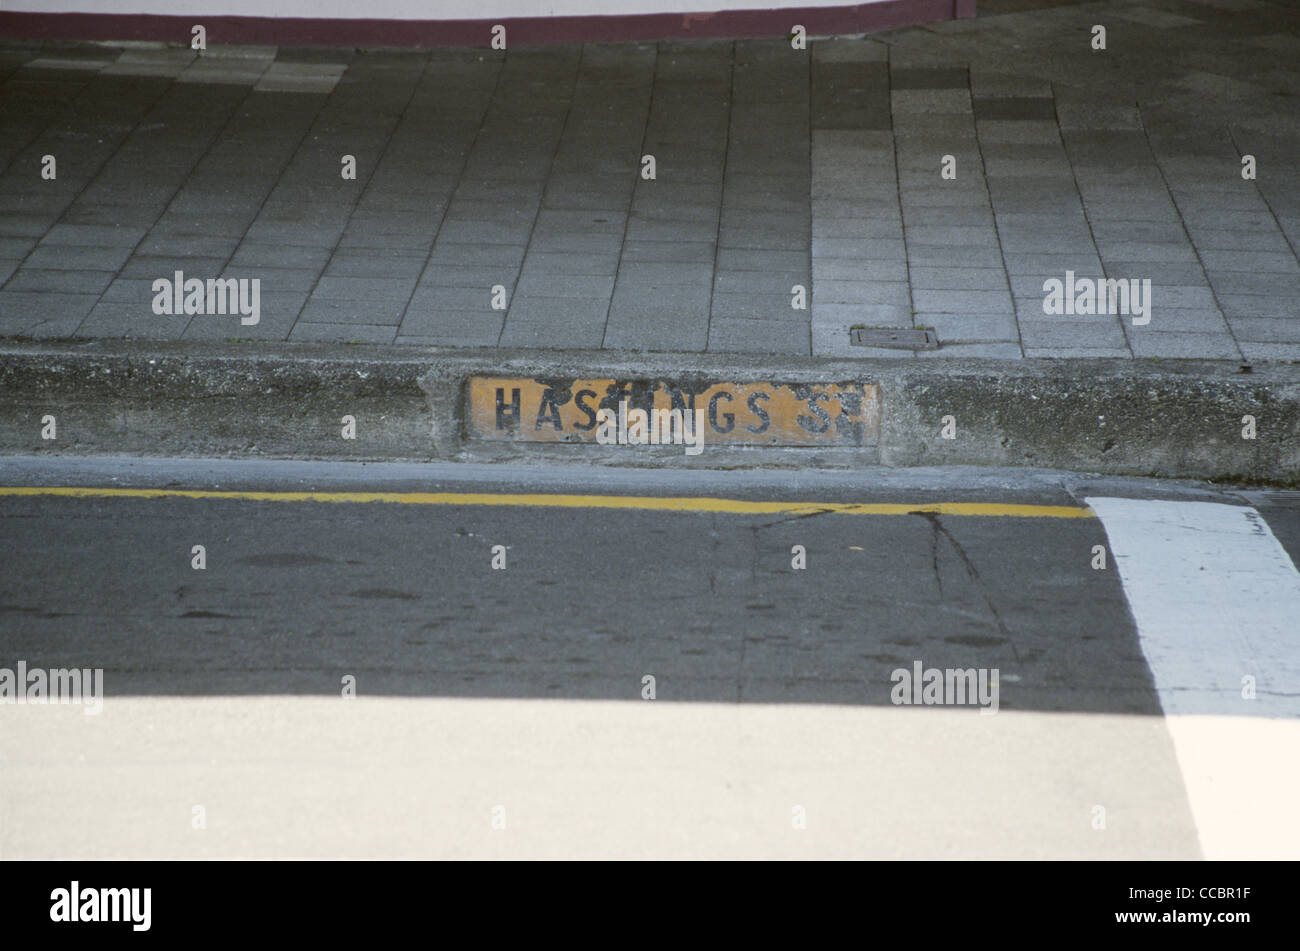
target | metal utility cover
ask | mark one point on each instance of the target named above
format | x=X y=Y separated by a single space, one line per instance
x=753 y=413
x=894 y=339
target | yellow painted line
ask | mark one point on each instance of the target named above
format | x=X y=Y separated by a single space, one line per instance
x=652 y=503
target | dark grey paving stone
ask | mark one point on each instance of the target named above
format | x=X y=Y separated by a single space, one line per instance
x=11 y=247
x=476 y=277
x=314 y=54
x=364 y=288
x=773 y=306
x=564 y=285
x=119 y=318
x=766 y=283
x=941 y=77
x=291 y=233
x=59 y=282
x=759 y=336
x=182 y=246
x=151 y=267
x=669 y=252
x=70 y=258
x=282 y=280
x=587 y=312
x=1259 y=305
x=429 y=297
x=477 y=255
x=666 y=273
x=342 y=311
x=343 y=333
x=541 y=264
x=1014 y=107
x=263 y=254
x=651 y=327
x=366 y=240
x=275 y=320
x=578 y=335
x=646 y=229
x=1266 y=329
x=756 y=259
x=93 y=236
x=138 y=290
x=376 y=263
x=469 y=328
x=668 y=295
x=19 y=309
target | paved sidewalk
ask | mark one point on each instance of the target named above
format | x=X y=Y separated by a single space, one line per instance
x=773 y=168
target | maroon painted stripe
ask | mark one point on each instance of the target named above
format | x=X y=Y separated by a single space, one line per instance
x=285 y=31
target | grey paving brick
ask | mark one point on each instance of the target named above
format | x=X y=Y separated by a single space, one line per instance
x=648 y=327
x=454 y=299
x=969 y=328
x=343 y=333
x=842 y=270
x=376 y=263
x=1256 y=262
x=364 y=288
x=93 y=236
x=860 y=292
x=1181 y=320
x=974 y=351
x=334 y=310
x=1251 y=305
x=1258 y=350
x=451 y=328
x=975 y=279
x=1188 y=346
x=632 y=296
x=565 y=285
x=759 y=336
x=1264 y=329
x=539 y=264
x=765 y=283
x=475 y=277
x=20 y=310
x=703 y=252
x=477 y=255
x=116 y=318
x=1076 y=353
x=963 y=302
x=1072 y=334
x=59 y=282
x=950 y=77
x=1244 y=283
x=670 y=273
x=854 y=249
x=77 y=258
x=771 y=306
x=137 y=290
x=275 y=320
x=570 y=312
x=273 y=255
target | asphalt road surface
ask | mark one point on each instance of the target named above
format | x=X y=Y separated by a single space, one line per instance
x=509 y=661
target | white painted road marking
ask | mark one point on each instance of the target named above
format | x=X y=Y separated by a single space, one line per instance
x=1216 y=599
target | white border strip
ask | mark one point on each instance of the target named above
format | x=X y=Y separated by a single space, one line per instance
x=1216 y=599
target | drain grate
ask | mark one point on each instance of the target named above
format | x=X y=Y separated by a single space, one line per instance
x=894 y=339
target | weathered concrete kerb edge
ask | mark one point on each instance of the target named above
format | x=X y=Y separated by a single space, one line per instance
x=1176 y=419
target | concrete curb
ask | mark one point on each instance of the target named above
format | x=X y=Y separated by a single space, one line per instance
x=1168 y=419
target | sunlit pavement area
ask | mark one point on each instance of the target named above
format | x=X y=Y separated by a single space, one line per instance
x=773 y=169
x=646 y=672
